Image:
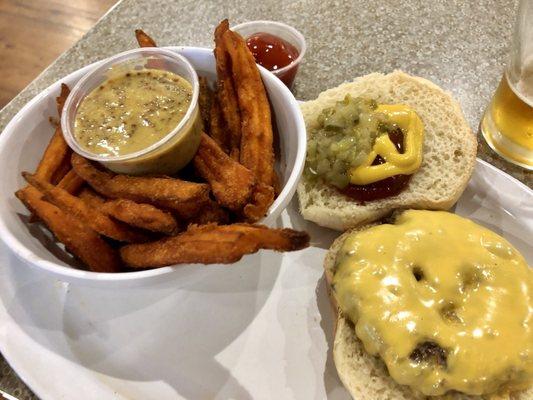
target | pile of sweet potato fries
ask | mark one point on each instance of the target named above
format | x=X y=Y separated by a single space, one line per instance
x=114 y=222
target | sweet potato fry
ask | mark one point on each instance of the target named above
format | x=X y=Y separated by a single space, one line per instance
x=61 y=170
x=217 y=127
x=146 y=41
x=211 y=213
x=230 y=182
x=96 y=220
x=212 y=244
x=54 y=121
x=143 y=216
x=262 y=199
x=265 y=237
x=54 y=158
x=91 y=198
x=256 y=151
x=226 y=93
x=185 y=198
x=77 y=237
x=55 y=162
x=60 y=100
x=143 y=39
x=71 y=182
x=276 y=183
x=205 y=98
x=139 y=215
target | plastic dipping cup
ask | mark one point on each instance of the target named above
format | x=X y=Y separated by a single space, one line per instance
x=285 y=32
x=173 y=151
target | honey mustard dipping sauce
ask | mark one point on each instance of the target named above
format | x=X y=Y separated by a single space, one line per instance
x=133 y=110
x=447 y=304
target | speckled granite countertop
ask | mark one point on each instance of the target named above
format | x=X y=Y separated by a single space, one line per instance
x=459 y=45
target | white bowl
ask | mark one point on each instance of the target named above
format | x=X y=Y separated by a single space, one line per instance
x=24 y=139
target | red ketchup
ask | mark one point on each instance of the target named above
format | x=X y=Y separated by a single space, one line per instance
x=385 y=188
x=274 y=53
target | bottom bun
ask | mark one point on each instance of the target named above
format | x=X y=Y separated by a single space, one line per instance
x=365 y=376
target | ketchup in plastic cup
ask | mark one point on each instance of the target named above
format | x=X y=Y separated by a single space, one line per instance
x=276 y=46
x=274 y=53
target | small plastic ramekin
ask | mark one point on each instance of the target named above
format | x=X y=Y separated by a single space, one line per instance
x=169 y=154
x=284 y=31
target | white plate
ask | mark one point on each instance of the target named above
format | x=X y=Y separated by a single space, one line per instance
x=260 y=330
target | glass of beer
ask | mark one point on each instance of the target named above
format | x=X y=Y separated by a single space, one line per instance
x=507 y=124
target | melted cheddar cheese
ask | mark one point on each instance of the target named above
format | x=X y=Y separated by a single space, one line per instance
x=396 y=163
x=446 y=303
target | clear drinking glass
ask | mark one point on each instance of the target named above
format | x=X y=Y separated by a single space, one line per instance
x=507 y=124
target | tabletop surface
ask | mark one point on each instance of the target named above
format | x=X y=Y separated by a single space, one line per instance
x=461 y=46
